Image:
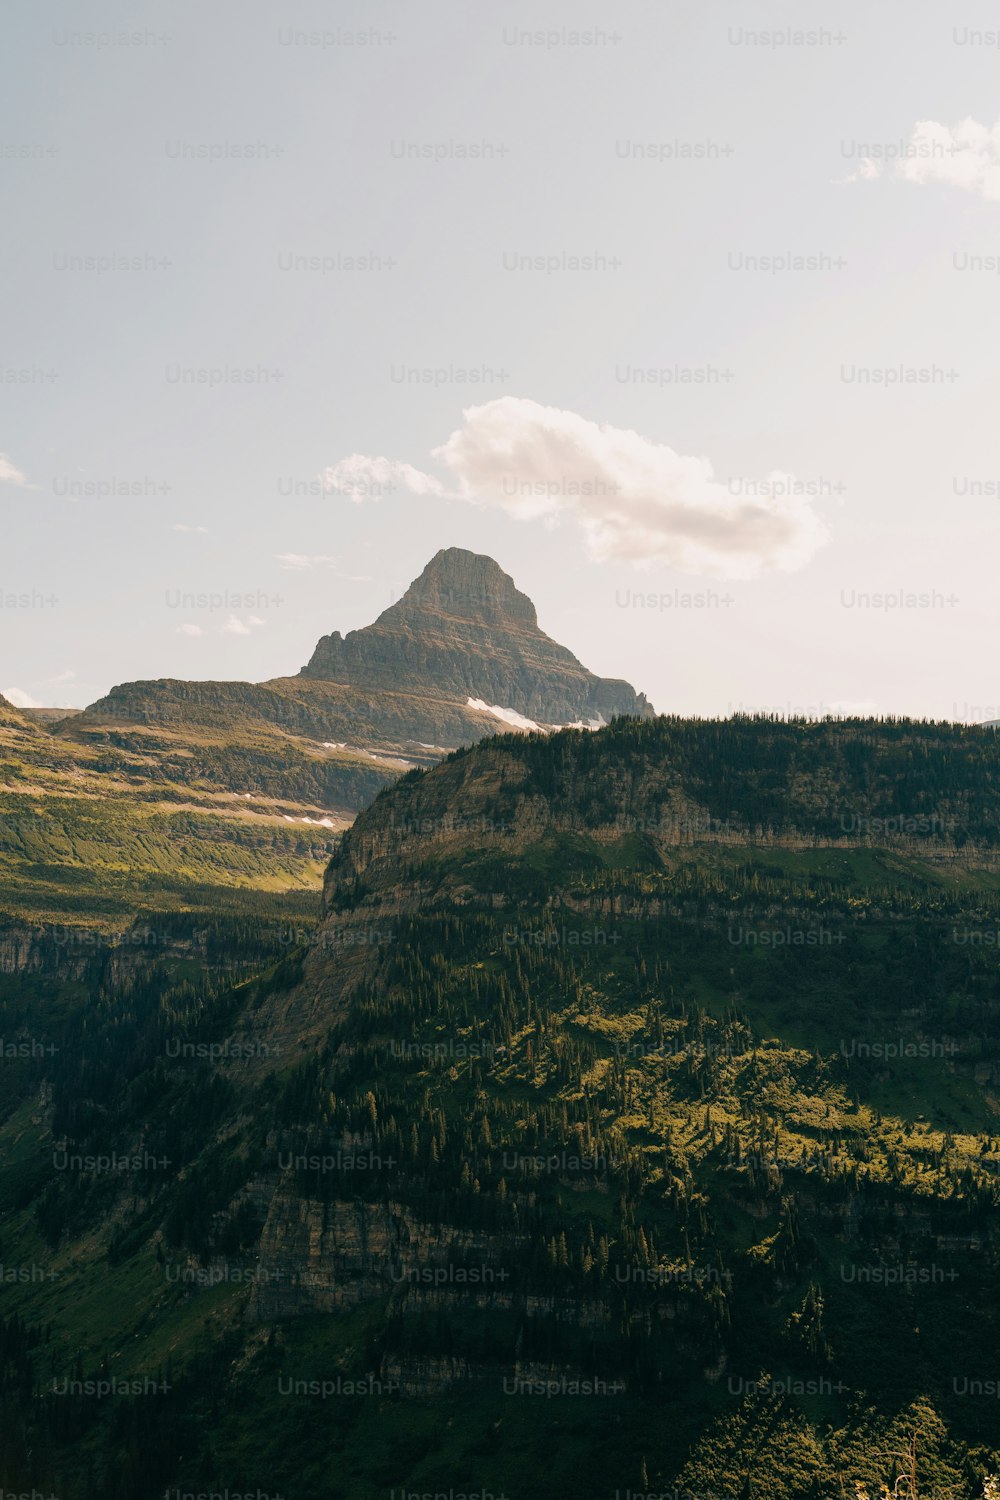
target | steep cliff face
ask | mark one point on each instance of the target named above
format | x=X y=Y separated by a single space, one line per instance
x=464 y=628
x=30 y=950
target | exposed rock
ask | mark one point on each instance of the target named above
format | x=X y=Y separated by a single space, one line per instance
x=317 y=1257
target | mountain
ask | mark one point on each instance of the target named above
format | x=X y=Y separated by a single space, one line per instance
x=626 y=1123
x=170 y=794
x=458 y=656
x=463 y=629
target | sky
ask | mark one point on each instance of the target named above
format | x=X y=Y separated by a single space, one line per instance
x=685 y=311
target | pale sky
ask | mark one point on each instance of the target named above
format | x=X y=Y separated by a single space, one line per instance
x=785 y=217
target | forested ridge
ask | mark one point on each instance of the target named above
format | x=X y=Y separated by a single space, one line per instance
x=627 y=1121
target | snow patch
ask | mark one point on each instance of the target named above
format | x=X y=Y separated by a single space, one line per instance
x=518 y=721
x=505 y=715
x=599 y=723
x=383 y=760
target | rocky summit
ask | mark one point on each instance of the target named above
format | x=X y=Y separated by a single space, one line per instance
x=464 y=628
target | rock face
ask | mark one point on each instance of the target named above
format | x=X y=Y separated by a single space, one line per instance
x=464 y=628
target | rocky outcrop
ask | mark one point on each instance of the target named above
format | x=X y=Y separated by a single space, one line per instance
x=316 y=1256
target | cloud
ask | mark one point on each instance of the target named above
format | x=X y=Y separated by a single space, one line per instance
x=966 y=155
x=235 y=626
x=868 y=171
x=189 y=630
x=361 y=478
x=11 y=474
x=300 y=561
x=193 y=529
x=66 y=676
x=636 y=500
x=19 y=698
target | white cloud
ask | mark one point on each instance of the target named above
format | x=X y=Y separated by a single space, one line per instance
x=362 y=478
x=966 y=155
x=66 y=676
x=19 y=698
x=193 y=529
x=869 y=170
x=300 y=561
x=189 y=630
x=11 y=474
x=235 y=626
x=636 y=500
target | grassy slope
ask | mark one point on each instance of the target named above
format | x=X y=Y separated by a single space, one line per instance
x=91 y=833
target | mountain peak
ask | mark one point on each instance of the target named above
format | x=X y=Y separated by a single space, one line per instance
x=464 y=630
x=466 y=586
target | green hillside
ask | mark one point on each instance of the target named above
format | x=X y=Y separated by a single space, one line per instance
x=95 y=830
x=628 y=1122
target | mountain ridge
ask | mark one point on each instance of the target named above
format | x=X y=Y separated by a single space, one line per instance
x=194 y=793
x=458 y=657
x=532 y=1108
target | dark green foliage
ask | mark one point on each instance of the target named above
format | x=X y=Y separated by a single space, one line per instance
x=753 y=1185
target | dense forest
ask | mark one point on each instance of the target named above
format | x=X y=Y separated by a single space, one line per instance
x=625 y=1121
